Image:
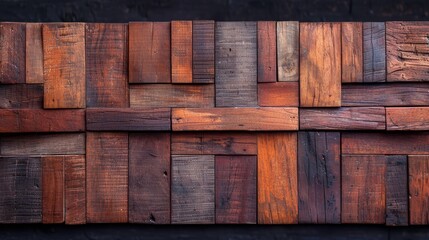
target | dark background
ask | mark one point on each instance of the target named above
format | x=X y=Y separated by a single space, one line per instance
x=220 y=10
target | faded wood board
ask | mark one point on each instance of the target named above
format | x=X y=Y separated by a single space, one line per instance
x=236 y=64
x=192 y=189
x=236 y=196
x=53 y=189
x=230 y=119
x=12 y=53
x=21 y=96
x=407 y=118
x=267 y=62
x=203 y=51
x=396 y=191
x=288 y=51
x=149 y=178
x=320 y=64
x=374 y=52
x=181 y=51
x=33 y=53
x=75 y=189
x=352 y=52
x=278 y=94
x=107 y=177
x=418 y=170
x=277 y=178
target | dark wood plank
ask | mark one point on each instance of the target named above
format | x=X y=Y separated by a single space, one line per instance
x=149 y=178
x=396 y=191
x=203 y=53
x=418 y=170
x=267 y=62
x=319 y=172
x=345 y=118
x=277 y=178
x=374 y=52
x=363 y=189
x=12 y=53
x=278 y=94
x=407 y=118
x=181 y=51
x=288 y=51
x=236 y=196
x=114 y=119
x=75 y=189
x=320 y=64
x=52 y=189
x=33 y=53
x=351 y=52
x=106 y=50
x=21 y=96
x=230 y=119
x=193 y=189
x=20 y=190
x=107 y=177
x=236 y=64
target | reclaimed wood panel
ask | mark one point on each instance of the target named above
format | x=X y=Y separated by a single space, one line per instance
x=279 y=94
x=149 y=178
x=53 y=189
x=75 y=189
x=277 y=178
x=396 y=191
x=181 y=51
x=230 y=119
x=12 y=53
x=407 y=118
x=203 y=51
x=33 y=53
x=192 y=189
x=352 y=52
x=21 y=96
x=288 y=45
x=374 y=52
x=236 y=64
x=418 y=170
x=236 y=196
x=320 y=64
x=267 y=62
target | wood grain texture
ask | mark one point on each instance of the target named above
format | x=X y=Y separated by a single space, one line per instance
x=352 y=52
x=203 y=51
x=75 y=189
x=172 y=95
x=181 y=51
x=319 y=177
x=149 y=52
x=236 y=196
x=374 y=52
x=193 y=189
x=236 y=64
x=320 y=64
x=149 y=178
x=363 y=189
x=279 y=94
x=407 y=118
x=37 y=120
x=407 y=49
x=52 y=189
x=392 y=94
x=114 y=119
x=385 y=143
x=33 y=53
x=418 y=170
x=277 y=178
x=218 y=143
x=107 y=177
x=230 y=119
x=12 y=53
x=20 y=190
x=345 y=118
x=21 y=96
x=267 y=48
x=106 y=52
x=288 y=51
x=396 y=191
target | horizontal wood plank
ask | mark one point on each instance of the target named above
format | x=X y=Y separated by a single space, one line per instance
x=407 y=118
x=21 y=96
x=279 y=94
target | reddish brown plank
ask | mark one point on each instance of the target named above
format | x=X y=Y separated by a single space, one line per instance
x=407 y=118
x=288 y=51
x=267 y=62
x=352 y=52
x=53 y=189
x=203 y=53
x=33 y=53
x=75 y=189
x=418 y=169
x=21 y=96
x=12 y=53
x=374 y=52
x=181 y=51
x=396 y=191
x=279 y=94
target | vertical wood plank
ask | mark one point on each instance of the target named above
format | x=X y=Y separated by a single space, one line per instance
x=352 y=52
x=52 y=189
x=21 y=96
x=181 y=51
x=418 y=170
x=33 y=53
x=288 y=51
x=75 y=189
x=203 y=52
x=12 y=53
x=374 y=52
x=267 y=65
x=396 y=191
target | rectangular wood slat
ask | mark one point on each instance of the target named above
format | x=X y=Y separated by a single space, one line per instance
x=279 y=94
x=407 y=118
x=181 y=51
x=75 y=189
x=33 y=53
x=374 y=52
x=203 y=52
x=53 y=189
x=12 y=53
x=396 y=191
x=418 y=170
x=352 y=52
x=21 y=96
x=267 y=65
x=288 y=51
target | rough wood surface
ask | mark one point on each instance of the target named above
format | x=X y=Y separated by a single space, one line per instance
x=279 y=94
x=53 y=189
x=181 y=51
x=396 y=191
x=374 y=52
x=203 y=52
x=407 y=118
x=288 y=51
x=418 y=170
x=75 y=189
x=267 y=61
x=352 y=52
x=33 y=53
x=12 y=53
x=21 y=96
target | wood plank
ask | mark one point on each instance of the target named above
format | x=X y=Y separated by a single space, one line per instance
x=75 y=189
x=267 y=62
x=374 y=52
x=149 y=52
x=149 y=178
x=193 y=189
x=107 y=177
x=320 y=64
x=279 y=94
x=352 y=52
x=391 y=94
x=319 y=172
x=106 y=80
x=407 y=49
x=12 y=53
x=345 y=118
x=363 y=189
x=385 y=143
x=64 y=65
x=43 y=144
x=203 y=52
x=236 y=64
x=288 y=51
x=37 y=120
x=418 y=169
x=114 y=119
x=218 y=143
x=277 y=178
x=20 y=190
x=33 y=53
x=396 y=191
x=52 y=189
x=407 y=118
x=181 y=51
x=236 y=189
x=21 y=96
x=172 y=95
x=231 y=119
